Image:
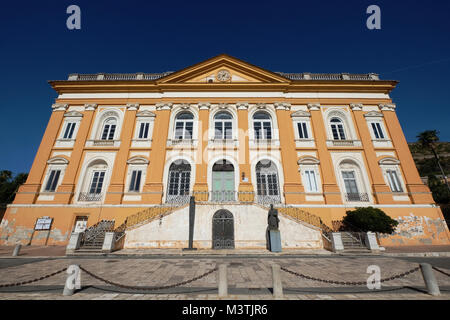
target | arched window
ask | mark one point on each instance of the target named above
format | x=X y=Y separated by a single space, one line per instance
x=223 y=126
x=262 y=125
x=337 y=129
x=268 y=188
x=353 y=182
x=94 y=181
x=109 y=128
x=184 y=126
x=179 y=181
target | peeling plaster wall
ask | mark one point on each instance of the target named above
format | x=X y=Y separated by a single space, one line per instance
x=250 y=223
x=421 y=230
x=418 y=225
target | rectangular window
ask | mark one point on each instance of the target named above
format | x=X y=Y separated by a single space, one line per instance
x=377 y=131
x=350 y=183
x=143 y=130
x=97 y=182
x=108 y=132
x=394 y=181
x=135 y=182
x=302 y=130
x=52 y=181
x=310 y=181
x=68 y=133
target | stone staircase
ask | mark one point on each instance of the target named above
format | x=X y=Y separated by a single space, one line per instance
x=354 y=242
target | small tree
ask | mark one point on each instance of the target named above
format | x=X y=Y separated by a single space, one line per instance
x=369 y=219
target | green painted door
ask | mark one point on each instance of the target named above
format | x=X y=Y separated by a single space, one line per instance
x=223 y=186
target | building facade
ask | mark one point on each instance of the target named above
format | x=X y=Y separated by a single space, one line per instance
x=135 y=147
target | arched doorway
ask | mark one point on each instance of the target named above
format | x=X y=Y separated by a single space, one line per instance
x=223 y=230
x=223 y=182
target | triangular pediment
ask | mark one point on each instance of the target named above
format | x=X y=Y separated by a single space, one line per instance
x=223 y=69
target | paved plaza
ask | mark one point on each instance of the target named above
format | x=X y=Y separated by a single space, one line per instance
x=249 y=277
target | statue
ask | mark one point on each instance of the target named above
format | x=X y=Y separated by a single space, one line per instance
x=273 y=233
x=272 y=219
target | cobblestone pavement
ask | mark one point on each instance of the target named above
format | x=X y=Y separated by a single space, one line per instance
x=248 y=278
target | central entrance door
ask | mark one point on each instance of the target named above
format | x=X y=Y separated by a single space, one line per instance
x=223 y=182
x=223 y=230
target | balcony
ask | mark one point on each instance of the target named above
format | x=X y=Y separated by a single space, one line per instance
x=343 y=143
x=87 y=196
x=267 y=200
x=357 y=197
x=102 y=143
x=181 y=142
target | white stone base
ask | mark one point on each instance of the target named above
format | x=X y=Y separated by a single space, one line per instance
x=250 y=223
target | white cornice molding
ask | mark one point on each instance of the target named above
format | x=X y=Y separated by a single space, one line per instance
x=204 y=106
x=373 y=114
x=301 y=114
x=387 y=107
x=242 y=105
x=356 y=106
x=313 y=106
x=282 y=106
x=59 y=107
x=132 y=106
x=145 y=113
x=308 y=160
x=90 y=107
x=73 y=114
x=164 y=106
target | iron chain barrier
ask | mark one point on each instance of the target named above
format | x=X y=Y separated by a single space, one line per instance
x=349 y=283
x=16 y=284
x=441 y=271
x=148 y=289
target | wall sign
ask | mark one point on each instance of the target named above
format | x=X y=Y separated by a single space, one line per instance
x=43 y=223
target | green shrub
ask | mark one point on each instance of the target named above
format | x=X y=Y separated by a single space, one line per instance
x=369 y=219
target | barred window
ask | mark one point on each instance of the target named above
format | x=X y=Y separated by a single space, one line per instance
x=179 y=178
x=267 y=179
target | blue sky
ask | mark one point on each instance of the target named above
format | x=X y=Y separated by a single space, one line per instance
x=412 y=47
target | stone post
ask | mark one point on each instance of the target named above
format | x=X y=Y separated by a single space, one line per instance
x=276 y=282
x=429 y=279
x=17 y=250
x=223 y=281
x=74 y=242
x=336 y=240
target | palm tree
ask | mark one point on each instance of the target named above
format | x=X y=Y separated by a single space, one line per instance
x=429 y=139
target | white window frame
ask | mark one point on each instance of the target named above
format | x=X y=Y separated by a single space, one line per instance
x=222 y=122
x=261 y=122
x=184 y=121
x=341 y=123
x=103 y=128
x=54 y=164
x=137 y=163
